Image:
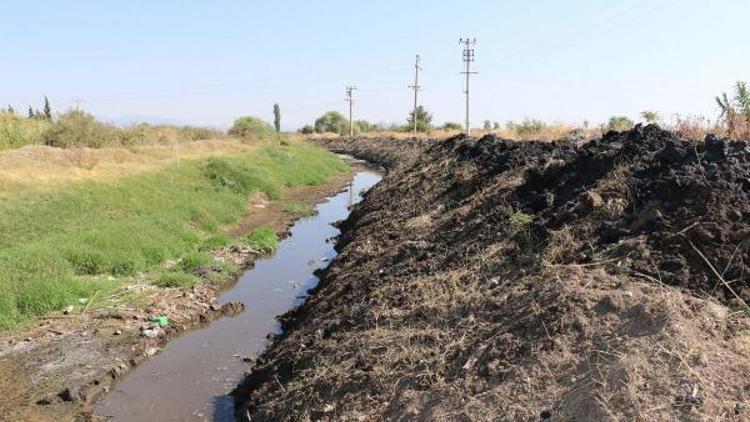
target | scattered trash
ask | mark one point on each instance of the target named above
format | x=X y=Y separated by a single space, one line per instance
x=68 y=310
x=117 y=332
x=83 y=300
x=163 y=321
x=151 y=331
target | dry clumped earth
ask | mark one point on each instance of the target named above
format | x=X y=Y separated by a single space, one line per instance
x=497 y=280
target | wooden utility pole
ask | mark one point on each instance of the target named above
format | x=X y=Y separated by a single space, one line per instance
x=349 y=90
x=468 y=60
x=416 y=89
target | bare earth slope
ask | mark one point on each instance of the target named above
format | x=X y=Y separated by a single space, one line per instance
x=496 y=280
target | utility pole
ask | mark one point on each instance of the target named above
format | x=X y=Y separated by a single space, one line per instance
x=416 y=89
x=350 y=99
x=468 y=60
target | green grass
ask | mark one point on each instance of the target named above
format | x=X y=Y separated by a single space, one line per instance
x=56 y=247
x=299 y=209
x=262 y=238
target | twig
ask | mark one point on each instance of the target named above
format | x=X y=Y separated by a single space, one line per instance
x=747 y=308
x=89 y=302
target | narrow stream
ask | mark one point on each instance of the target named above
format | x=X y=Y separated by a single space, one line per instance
x=192 y=376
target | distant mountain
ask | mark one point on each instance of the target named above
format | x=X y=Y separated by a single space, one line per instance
x=135 y=119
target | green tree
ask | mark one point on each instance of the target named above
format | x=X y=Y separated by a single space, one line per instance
x=11 y=110
x=47 y=109
x=495 y=125
x=487 y=125
x=424 y=119
x=332 y=121
x=452 y=126
x=307 y=129
x=277 y=117
x=31 y=113
x=620 y=123
x=250 y=127
x=650 y=116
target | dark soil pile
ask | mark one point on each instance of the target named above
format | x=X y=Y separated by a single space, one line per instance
x=496 y=280
x=386 y=152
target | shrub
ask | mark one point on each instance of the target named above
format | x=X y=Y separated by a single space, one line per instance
x=333 y=122
x=487 y=125
x=650 y=116
x=78 y=129
x=249 y=127
x=363 y=126
x=17 y=131
x=307 y=130
x=528 y=127
x=620 y=123
x=452 y=126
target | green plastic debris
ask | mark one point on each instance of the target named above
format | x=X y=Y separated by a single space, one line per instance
x=83 y=300
x=161 y=320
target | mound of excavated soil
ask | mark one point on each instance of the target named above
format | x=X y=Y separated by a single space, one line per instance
x=496 y=280
x=387 y=152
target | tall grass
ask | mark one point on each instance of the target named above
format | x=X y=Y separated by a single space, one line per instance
x=56 y=247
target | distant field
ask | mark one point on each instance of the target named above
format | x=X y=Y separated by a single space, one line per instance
x=77 y=222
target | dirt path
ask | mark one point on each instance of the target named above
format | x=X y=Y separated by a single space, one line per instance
x=56 y=367
x=498 y=280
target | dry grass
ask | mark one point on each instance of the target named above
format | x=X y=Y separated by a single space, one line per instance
x=47 y=166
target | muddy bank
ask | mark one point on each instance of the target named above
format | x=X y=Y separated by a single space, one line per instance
x=58 y=367
x=499 y=280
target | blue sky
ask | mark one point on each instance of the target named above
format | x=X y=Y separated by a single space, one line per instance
x=204 y=62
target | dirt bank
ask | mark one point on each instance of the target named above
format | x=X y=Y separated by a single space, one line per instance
x=56 y=368
x=498 y=280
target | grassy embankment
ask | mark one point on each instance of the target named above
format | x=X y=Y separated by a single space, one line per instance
x=63 y=241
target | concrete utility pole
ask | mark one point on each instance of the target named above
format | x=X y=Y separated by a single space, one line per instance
x=468 y=60
x=350 y=99
x=416 y=89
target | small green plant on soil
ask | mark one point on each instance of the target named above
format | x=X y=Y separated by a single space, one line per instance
x=519 y=220
x=175 y=279
x=86 y=237
x=193 y=261
x=262 y=238
x=298 y=209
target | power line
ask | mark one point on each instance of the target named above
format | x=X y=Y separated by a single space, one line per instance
x=416 y=89
x=468 y=60
x=350 y=99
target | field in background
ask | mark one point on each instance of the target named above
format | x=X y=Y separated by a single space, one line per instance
x=74 y=222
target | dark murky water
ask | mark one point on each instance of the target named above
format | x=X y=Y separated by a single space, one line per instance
x=190 y=379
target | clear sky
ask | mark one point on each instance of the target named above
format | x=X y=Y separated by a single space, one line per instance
x=207 y=62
